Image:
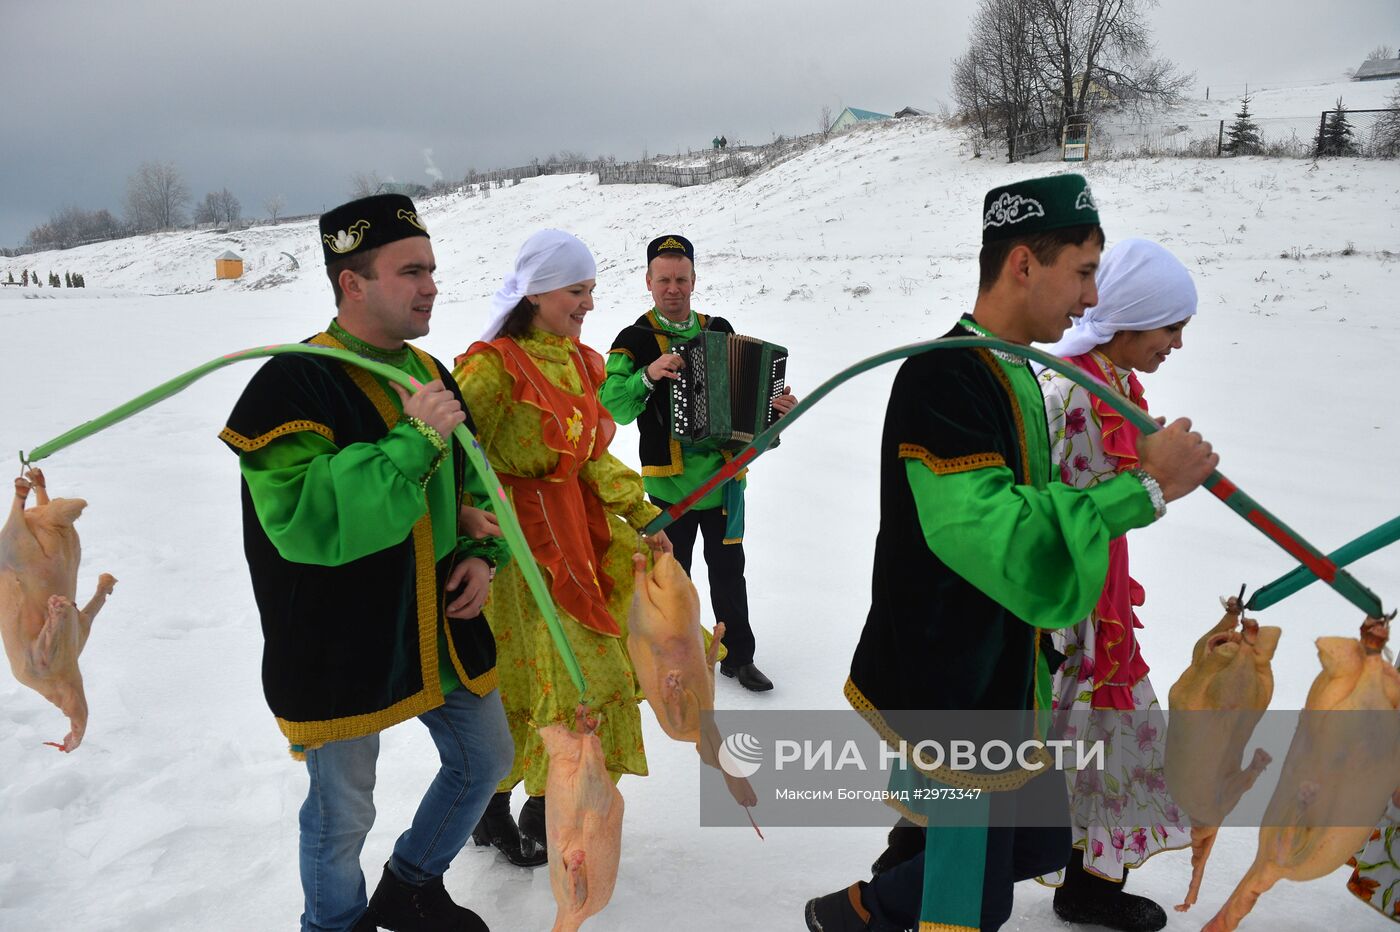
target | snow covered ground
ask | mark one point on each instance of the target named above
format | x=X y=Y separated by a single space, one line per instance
x=179 y=809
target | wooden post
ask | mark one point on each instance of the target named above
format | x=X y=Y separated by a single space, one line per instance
x=1220 y=140
x=1321 y=127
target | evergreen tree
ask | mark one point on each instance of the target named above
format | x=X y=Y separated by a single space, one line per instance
x=67 y=279
x=10 y=277
x=1242 y=136
x=78 y=277
x=25 y=279
x=1335 y=137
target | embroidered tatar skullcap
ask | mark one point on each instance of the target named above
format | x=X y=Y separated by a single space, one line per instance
x=1036 y=205
x=671 y=244
x=368 y=223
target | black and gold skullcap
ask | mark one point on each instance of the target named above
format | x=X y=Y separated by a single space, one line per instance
x=368 y=223
x=1037 y=205
x=671 y=244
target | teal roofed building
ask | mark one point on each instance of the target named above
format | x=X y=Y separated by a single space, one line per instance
x=852 y=116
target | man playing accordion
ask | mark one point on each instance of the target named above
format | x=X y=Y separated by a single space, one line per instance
x=639 y=361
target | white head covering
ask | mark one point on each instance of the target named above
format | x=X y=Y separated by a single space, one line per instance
x=550 y=259
x=1142 y=286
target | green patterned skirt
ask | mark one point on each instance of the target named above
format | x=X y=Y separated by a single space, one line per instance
x=534 y=682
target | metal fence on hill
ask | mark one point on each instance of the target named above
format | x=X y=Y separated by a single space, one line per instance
x=1354 y=133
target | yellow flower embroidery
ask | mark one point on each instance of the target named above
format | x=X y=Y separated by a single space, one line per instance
x=573 y=427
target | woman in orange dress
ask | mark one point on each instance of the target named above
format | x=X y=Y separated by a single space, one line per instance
x=532 y=389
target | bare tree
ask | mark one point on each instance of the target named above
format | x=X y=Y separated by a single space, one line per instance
x=70 y=226
x=1380 y=52
x=1033 y=64
x=156 y=196
x=218 y=207
x=1101 y=48
x=363 y=184
x=1007 y=73
x=825 y=126
x=274 y=205
x=230 y=208
x=1387 y=129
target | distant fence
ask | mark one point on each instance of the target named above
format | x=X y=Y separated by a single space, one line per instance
x=732 y=162
x=1373 y=134
x=1025 y=146
x=1370 y=134
x=240 y=224
x=681 y=177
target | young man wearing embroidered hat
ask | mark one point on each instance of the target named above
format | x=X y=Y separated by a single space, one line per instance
x=638 y=364
x=353 y=494
x=979 y=555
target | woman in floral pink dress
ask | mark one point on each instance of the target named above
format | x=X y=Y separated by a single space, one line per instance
x=1122 y=814
x=1375 y=876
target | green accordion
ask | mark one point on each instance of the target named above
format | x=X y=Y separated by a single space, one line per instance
x=726 y=388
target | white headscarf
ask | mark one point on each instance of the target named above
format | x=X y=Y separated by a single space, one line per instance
x=1142 y=286
x=550 y=259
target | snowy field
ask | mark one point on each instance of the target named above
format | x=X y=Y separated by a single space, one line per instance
x=179 y=810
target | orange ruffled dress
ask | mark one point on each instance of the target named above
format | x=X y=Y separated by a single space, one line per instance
x=535 y=405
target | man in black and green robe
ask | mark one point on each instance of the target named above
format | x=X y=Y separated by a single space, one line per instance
x=370 y=598
x=979 y=555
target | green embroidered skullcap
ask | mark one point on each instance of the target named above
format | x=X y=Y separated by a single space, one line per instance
x=1037 y=205
x=367 y=224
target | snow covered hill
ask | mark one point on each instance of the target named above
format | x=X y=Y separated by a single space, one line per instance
x=179 y=810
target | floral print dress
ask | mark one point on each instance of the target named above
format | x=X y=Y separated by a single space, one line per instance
x=1376 y=877
x=1123 y=814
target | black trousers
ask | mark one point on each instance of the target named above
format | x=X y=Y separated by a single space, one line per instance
x=729 y=594
x=1014 y=853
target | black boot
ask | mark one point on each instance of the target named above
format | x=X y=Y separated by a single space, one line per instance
x=841 y=911
x=749 y=676
x=498 y=828
x=905 y=841
x=532 y=829
x=402 y=907
x=1092 y=900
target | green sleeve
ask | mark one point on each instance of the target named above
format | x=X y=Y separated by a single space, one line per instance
x=623 y=393
x=494 y=550
x=328 y=506
x=619 y=489
x=1042 y=553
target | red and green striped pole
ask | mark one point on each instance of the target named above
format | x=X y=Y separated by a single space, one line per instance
x=1316 y=563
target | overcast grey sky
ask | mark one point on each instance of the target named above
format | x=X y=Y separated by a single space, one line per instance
x=293 y=97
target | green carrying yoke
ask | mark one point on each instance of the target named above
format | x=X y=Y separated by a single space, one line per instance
x=1317 y=564
x=515 y=538
x=1301 y=577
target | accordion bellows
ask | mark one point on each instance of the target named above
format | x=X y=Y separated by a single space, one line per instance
x=725 y=390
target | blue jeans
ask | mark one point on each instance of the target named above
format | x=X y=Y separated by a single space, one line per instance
x=475 y=747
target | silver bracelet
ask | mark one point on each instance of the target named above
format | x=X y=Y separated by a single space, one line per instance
x=1154 y=491
x=647 y=381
